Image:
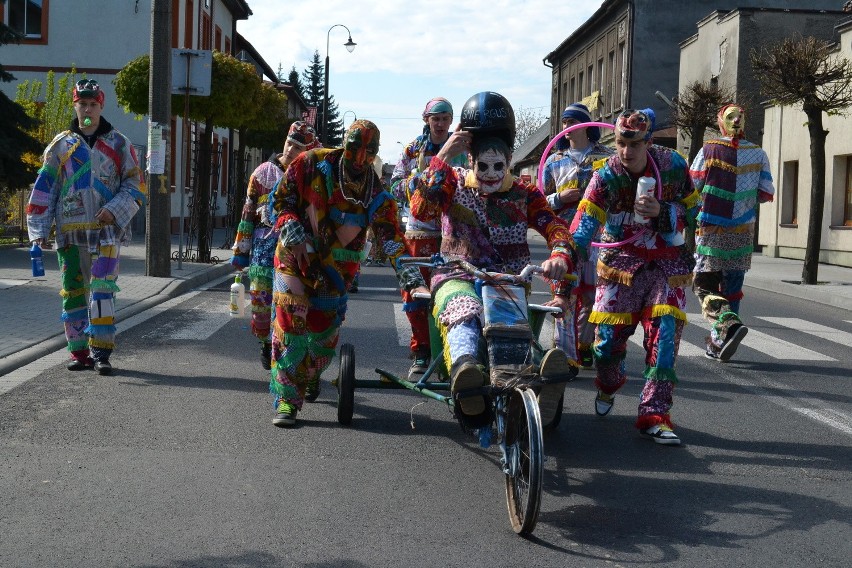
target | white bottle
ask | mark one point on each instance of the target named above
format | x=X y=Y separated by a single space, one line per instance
x=645 y=186
x=237 y=301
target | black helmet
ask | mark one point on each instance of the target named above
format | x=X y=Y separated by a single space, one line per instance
x=489 y=113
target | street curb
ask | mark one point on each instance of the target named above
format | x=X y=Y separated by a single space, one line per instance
x=818 y=294
x=172 y=290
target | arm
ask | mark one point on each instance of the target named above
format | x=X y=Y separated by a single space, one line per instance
x=131 y=193
x=765 y=188
x=590 y=215
x=41 y=208
x=243 y=243
x=401 y=173
x=390 y=237
x=556 y=232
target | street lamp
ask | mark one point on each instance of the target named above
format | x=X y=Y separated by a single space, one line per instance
x=350 y=46
x=353 y=114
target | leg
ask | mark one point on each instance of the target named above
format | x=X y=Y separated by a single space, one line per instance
x=260 y=291
x=728 y=330
x=732 y=288
x=75 y=313
x=416 y=312
x=104 y=270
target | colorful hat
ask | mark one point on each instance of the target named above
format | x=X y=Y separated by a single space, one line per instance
x=580 y=113
x=303 y=135
x=437 y=106
x=634 y=124
x=87 y=89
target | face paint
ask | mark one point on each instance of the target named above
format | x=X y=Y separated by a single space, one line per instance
x=490 y=169
x=731 y=121
x=360 y=148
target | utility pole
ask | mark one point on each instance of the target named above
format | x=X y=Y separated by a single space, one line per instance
x=158 y=242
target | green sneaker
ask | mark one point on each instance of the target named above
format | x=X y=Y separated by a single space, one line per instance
x=286 y=414
x=312 y=391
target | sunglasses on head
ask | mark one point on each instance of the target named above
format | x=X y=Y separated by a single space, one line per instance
x=87 y=85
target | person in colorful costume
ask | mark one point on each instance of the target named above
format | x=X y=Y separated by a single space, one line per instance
x=485 y=215
x=566 y=174
x=91 y=186
x=733 y=177
x=254 y=246
x=423 y=237
x=324 y=205
x=642 y=269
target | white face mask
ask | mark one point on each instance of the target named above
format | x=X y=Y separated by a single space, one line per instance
x=490 y=170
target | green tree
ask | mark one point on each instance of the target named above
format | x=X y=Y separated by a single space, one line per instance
x=313 y=83
x=234 y=89
x=293 y=79
x=49 y=102
x=803 y=71
x=15 y=139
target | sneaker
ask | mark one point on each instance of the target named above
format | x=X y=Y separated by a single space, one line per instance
x=418 y=367
x=467 y=375
x=312 y=391
x=266 y=355
x=587 y=358
x=80 y=364
x=711 y=353
x=379 y=263
x=604 y=403
x=732 y=341
x=555 y=371
x=286 y=414
x=103 y=367
x=662 y=434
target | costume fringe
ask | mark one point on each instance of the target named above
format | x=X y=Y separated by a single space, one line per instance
x=592 y=210
x=93 y=329
x=725 y=254
x=614 y=275
x=658 y=374
x=101 y=343
x=679 y=280
x=345 y=255
x=622 y=318
x=729 y=195
x=73 y=293
x=78 y=344
x=257 y=272
x=649 y=420
x=691 y=200
x=724 y=230
x=70 y=227
x=245 y=228
x=289 y=299
x=102 y=285
x=659 y=310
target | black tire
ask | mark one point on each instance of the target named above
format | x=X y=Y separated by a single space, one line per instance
x=523 y=483
x=346 y=385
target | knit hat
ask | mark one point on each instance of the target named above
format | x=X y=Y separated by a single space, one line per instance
x=580 y=113
x=635 y=124
x=302 y=135
x=437 y=106
x=87 y=89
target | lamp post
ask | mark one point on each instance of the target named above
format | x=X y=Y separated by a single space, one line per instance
x=355 y=116
x=350 y=46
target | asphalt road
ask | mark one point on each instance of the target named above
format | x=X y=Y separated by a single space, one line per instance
x=174 y=462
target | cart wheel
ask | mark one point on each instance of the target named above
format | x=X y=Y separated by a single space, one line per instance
x=346 y=385
x=526 y=462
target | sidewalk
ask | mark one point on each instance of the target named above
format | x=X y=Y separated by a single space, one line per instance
x=783 y=276
x=32 y=306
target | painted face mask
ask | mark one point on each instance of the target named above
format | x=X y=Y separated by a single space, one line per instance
x=360 y=146
x=490 y=170
x=731 y=120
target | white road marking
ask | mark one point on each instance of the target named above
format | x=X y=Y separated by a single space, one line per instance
x=768 y=345
x=403 y=327
x=685 y=349
x=822 y=331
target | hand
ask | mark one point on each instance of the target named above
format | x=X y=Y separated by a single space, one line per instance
x=555 y=268
x=568 y=196
x=300 y=253
x=39 y=242
x=421 y=290
x=458 y=143
x=105 y=216
x=647 y=206
x=562 y=302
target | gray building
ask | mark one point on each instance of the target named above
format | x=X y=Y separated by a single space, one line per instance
x=630 y=49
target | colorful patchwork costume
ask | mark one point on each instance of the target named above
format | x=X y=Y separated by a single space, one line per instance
x=75 y=181
x=317 y=205
x=639 y=280
x=733 y=177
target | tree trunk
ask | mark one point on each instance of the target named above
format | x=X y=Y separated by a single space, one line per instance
x=696 y=142
x=202 y=192
x=240 y=188
x=818 y=135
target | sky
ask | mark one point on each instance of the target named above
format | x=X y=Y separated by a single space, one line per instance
x=410 y=52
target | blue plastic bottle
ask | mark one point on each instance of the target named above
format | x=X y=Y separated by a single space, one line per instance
x=37 y=260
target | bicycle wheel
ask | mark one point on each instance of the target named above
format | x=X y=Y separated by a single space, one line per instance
x=346 y=385
x=525 y=467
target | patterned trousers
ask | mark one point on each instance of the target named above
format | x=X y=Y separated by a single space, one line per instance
x=417 y=310
x=720 y=294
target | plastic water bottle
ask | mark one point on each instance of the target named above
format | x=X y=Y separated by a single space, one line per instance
x=645 y=186
x=37 y=260
x=237 y=302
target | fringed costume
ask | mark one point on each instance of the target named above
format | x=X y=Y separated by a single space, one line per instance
x=639 y=281
x=75 y=181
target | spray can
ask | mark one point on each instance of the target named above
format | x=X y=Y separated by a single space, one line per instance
x=645 y=186
x=37 y=260
x=237 y=301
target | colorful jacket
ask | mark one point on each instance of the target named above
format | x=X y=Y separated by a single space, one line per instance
x=489 y=231
x=608 y=202
x=255 y=227
x=76 y=181
x=732 y=176
x=562 y=171
x=311 y=207
x=410 y=171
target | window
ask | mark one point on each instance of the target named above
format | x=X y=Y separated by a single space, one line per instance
x=623 y=101
x=591 y=79
x=572 y=94
x=188 y=16
x=580 y=84
x=218 y=38
x=27 y=17
x=847 y=199
x=612 y=81
x=790 y=196
x=175 y=29
x=206 y=39
x=228 y=45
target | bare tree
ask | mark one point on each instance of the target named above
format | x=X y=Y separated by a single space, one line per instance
x=695 y=111
x=802 y=71
x=527 y=121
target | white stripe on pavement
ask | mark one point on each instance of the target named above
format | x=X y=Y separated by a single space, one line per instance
x=403 y=327
x=685 y=349
x=822 y=331
x=768 y=345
